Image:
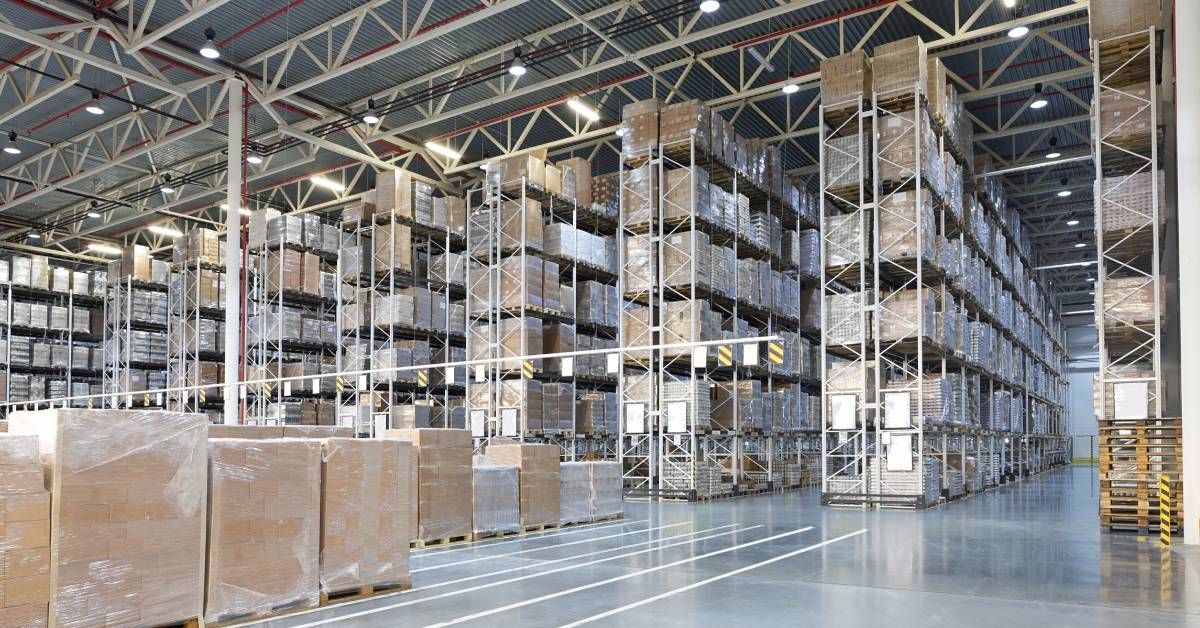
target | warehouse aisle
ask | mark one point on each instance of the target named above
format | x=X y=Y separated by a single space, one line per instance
x=1026 y=554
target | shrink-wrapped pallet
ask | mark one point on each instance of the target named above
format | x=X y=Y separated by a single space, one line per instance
x=682 y=121
x=845 y=77
x=271 y=487
x=107 y=470
x=577 y=180
x=906 y=227
x=899 y=66
x=497 y=499
x=365 y=504
x=1108 y=19
x=604 y=490
x=640 y=264
x=539 y=476
x=639 y=123
x=844 y=240
x=905 y=314
x=574 y=486
x=392 y=248
x=1127 y=203
x=24 y=534
x=639 y=195
x=443 y=481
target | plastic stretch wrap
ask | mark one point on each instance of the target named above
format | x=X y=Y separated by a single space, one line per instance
x=108 y=470
x=497 y=491
x=443 y=481
x=539 y=473
x=574 y=486
x=365 y=512
x=273 y=488
x=24 y=533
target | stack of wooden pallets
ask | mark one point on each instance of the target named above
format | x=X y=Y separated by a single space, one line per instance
x=1134 y=455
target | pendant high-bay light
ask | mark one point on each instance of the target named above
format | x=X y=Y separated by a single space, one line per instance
x=1053 y=154
x=92 y=207
x=209 y=49
x=253 y=158
x=708 y=6
x=94 y=107
x=1039 y=100
x=583 y=109
x=370 y=117
x=517 y=67
x=166 y=186
x=11 y=147
x=1063 y=193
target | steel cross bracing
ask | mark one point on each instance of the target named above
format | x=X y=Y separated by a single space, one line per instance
x=967 y=28
x=1129 y=226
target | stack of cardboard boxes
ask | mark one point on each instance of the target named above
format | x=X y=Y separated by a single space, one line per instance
x=365 y=495
x=443 y=479
x=539 y=472
x=118 y=477
x=574 y=488
x=497 y=501
x=264 y=526
x=24 y=533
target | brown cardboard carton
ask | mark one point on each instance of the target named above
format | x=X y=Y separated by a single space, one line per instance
x=577 y=180
x=443 y=481
x=135 y=262
x=311 y=274
x=24 y=534
x=217 y=430
x=394 y=193
x=264 y=526
x=364 y=513
x=1112 y=18
x=539 y=475
x=845 y=77
x=128 y=516
x=285 y=270
x=392 y=244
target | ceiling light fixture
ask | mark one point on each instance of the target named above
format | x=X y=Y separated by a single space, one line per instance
x=33 y=235
x=1053 y=154
x=1072 y=222
x=791 y=88
x=209 y=49
x=1018 y=32
x=582 y=108
x=370 y=117
x=92 y=207
x=1038 y=100
x=107 y=249
x=166 y=187
x=1009 y=4
x=708 y=6
x=328 y=184
x=517 y=67
x=1063 y=193
x=253 y=158
x=245 y=212
x=94 y=107
x=620 y=131
x=443 y=150
x=165 y=230
x=1080 y=245
x=11 y=147
x=224 y=207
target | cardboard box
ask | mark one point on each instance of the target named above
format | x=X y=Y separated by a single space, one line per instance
x=392 y=247
x=217 y=430
x=1112 y=18
x=264 y=526
x=135 y=262
x=900 y=66
x=394 y=194
x=285 y=270
x=605 y=492
x=443 y=481
x=128 y=519
x=539 y=472
x=365 y=506
x=577 y=180
x=310 y=274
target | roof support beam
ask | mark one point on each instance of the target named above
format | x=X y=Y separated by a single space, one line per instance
x=139 y=39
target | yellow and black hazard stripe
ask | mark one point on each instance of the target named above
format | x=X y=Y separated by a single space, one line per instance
x=340 y=383
x=267 y=390
x=422 y=377
x=146 y=399
x=775 y=352
x=202 y=396
x=89 y=403
x=527 y=369
x=724 y=356
x=1164 y=511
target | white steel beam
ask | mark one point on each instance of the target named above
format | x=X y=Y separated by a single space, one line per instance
x=1187 y=162
x=137 y=36
x=7 y=29
x=233 y=253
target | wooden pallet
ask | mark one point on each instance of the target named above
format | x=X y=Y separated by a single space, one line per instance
x=275 y=611
x=540 y=527
x=366 y=591
x=423 y=543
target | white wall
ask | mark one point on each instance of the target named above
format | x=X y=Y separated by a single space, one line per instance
x=1081 y=414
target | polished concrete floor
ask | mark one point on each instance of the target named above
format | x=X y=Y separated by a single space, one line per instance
x=1027 y=554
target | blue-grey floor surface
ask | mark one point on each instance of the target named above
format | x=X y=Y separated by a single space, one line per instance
x=1025 y=555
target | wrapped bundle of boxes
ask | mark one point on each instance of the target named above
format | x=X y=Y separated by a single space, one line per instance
x=717 y=245
x=925 y=293
x=1139 y=440
x=196 y=334
x=541 y=275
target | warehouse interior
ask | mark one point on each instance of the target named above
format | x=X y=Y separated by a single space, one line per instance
x=440 y=312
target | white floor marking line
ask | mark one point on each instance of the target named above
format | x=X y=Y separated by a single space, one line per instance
x=697 y=585
x=599 y=583
x=372 y=611
x=439 y=550
x=546 y=547
x=541 y=563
